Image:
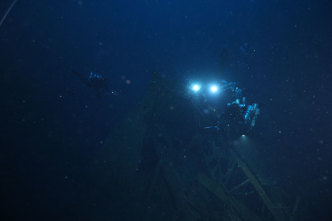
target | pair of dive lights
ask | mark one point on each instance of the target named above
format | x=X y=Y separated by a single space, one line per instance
x=212 y=88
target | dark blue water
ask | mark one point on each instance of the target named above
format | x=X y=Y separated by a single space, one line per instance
x=52 y=125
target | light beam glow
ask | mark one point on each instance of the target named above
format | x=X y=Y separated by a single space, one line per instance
x=214 y=89
x=196 y=87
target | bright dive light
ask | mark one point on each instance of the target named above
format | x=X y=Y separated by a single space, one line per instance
x=195 y=87
x=214 y=89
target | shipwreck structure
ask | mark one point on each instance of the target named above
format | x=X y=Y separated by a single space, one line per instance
x=161 y=165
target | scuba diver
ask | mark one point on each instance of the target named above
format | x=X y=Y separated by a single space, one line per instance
x=95 y=81
x=237 y=117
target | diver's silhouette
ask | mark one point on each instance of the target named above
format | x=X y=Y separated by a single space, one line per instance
x=95 y=81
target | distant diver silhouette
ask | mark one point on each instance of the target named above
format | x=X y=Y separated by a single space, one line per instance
x=7 y=12
x=95 y=81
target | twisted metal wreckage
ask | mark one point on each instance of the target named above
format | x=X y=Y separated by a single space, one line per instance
x=171 y=159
